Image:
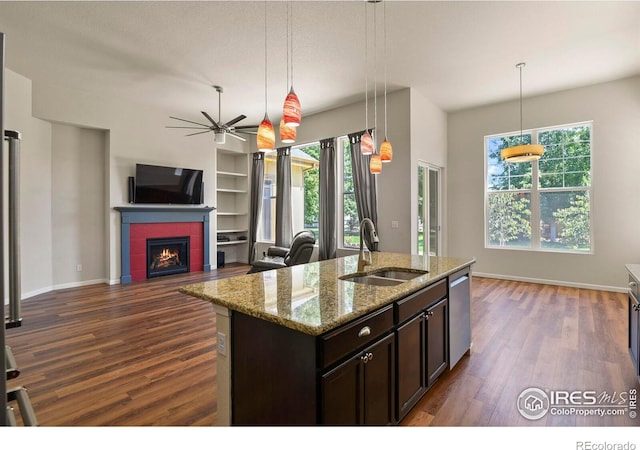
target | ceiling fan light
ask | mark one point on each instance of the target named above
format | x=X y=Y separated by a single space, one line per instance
x=219 y=138
x=375 y=164
x=266 y=138
x=386 y=151
x=287 y=134
x=292 y=112
x=366 y=143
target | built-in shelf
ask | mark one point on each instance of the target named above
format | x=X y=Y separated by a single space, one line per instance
x=231 y=174
x=231 y=242
x=232 y=203
x=232 y=191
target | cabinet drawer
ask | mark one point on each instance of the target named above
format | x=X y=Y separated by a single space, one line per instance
x=413 y=304
x=351 y=337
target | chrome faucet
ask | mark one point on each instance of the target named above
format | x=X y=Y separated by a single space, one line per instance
x=363 y=260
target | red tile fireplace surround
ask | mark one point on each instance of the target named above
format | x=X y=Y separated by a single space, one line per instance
x=140 y=223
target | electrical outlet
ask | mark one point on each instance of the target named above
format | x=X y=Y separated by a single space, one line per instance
x=394 y=224
x=222 y=344
x=79 y=268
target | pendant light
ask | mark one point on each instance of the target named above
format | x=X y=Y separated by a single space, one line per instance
x=287 y=133
x=523 y=152
x=386 y=150
x=375 y=162
x=266 y=138
x=366 y=141
x=291 y=111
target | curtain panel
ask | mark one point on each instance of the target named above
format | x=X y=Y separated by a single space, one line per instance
x=327 y=242
x=283 y=197
x=365 y=186
x=255 y=207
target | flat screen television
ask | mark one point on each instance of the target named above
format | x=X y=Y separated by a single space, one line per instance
x=168 y=185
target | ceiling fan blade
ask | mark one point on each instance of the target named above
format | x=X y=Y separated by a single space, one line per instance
x=200 y=132
x=236 y=136
x=236 y=120
x=246 y=127
x=215 y=124
x=190 y=121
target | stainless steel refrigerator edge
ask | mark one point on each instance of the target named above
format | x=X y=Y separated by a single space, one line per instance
x=3 y=383
x=459 y=315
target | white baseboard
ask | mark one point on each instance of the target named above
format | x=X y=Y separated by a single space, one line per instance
x=595 y=287
x=57 y=287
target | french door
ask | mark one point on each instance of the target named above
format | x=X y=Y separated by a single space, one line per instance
x=429 y=225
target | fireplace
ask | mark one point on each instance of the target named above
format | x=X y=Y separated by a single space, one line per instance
x=167 y=256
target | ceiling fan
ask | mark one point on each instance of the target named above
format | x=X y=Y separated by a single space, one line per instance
x=220 y=129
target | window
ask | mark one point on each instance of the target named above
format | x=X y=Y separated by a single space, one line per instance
x=553 y=192
x=350 y=230
x=304 y=191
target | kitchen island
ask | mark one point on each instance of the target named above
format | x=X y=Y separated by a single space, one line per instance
x=309 y=345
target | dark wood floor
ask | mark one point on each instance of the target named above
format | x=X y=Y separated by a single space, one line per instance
x=144 y=354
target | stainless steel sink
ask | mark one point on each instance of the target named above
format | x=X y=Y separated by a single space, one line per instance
x=384 y=277
x=399 y=274
x=373 y=280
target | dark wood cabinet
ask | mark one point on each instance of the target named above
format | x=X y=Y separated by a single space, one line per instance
x=361 y=389
x=422 y=350
x=437 y=320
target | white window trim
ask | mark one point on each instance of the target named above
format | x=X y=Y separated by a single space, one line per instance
x=535 y=207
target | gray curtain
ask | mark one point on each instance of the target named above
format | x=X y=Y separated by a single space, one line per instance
x=327 y=215
x=283 y=198
x=257 y=182
x=364 y=184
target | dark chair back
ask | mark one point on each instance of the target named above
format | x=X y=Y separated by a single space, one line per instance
x=301 y=248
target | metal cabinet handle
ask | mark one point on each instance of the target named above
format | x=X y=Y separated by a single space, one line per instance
x=364 y=331
x=370 y=355
x=365 y=358
x=632 y=284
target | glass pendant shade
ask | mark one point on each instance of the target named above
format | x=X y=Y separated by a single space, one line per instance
x=266 y=138
x=522 y=153
x=375 y=164
x=386 y=151
x=366 y=143
x=287 y=134
x=291 y=111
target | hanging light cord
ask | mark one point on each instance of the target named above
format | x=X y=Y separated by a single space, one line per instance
x=288 y=40
x=384 y=31
x=265 y=57
x=366 y=78
x=520 y=66
x=375 y=80
x=291 y=34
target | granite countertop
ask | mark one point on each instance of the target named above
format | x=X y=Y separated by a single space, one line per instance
x=311 y=298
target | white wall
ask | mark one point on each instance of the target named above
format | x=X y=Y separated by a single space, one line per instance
x=429 y=145
x=393 y=184
x=615 y=110
x=136 y=134
x=35 y=185
x=78 y=206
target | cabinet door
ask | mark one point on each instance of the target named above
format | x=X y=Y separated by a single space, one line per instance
x=379 y=382
x=437 y=349
x=634 y=332
x=411 y=354
x=342 y=396
x=361 y=390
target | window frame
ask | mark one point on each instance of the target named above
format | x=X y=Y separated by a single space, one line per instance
x=536 y=191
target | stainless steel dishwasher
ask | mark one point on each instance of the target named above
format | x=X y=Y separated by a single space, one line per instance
x=459 y=315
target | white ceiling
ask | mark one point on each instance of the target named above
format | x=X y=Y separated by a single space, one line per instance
x=458 y=54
